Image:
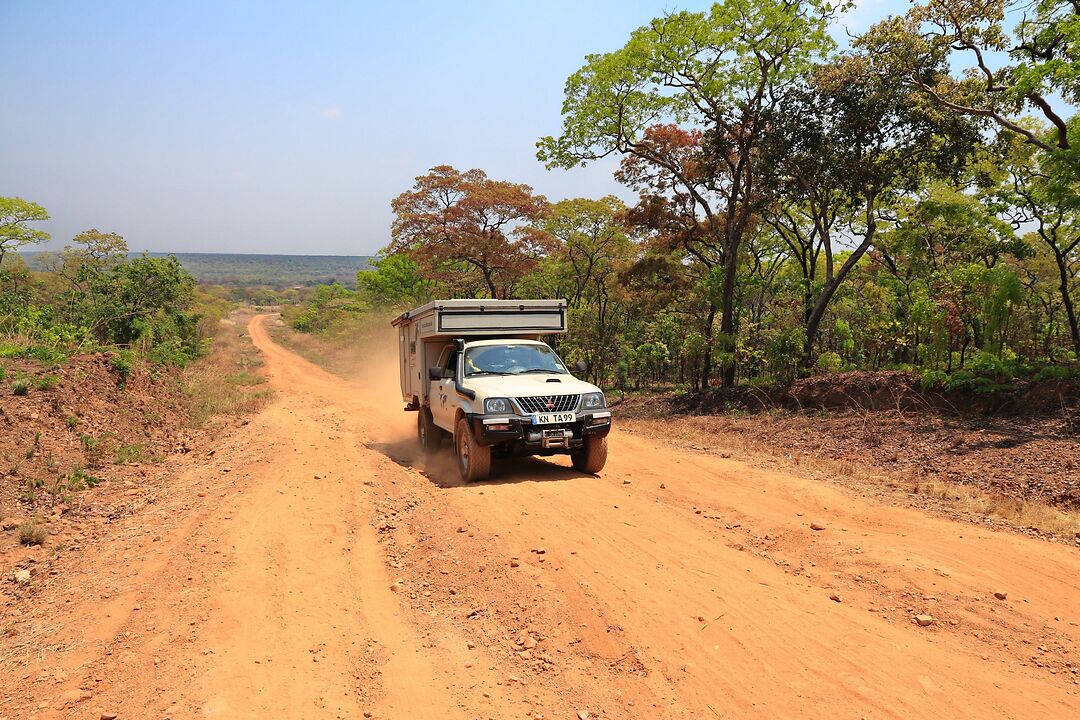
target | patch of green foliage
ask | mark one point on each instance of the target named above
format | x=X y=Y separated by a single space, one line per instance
x=93 y=295
x=78 y=479
x=134 y=453
x=1057 y=372
x=123 y=363
x=93 y=450
x=245 y=378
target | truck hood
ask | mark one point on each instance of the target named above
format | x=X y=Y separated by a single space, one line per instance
x=528 y=385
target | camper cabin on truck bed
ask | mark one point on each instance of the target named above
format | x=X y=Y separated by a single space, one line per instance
x=478 y=371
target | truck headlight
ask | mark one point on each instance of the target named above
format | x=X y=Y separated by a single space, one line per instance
x=592 y=401
x=496 y=405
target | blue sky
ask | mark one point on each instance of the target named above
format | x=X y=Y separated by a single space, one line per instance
x=288 y=127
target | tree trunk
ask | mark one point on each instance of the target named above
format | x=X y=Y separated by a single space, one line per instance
x=707 y=361
x=1070 y=311
x=727 y=312
x=813 y=324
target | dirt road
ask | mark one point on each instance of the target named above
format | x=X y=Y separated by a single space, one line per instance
x=308 y=569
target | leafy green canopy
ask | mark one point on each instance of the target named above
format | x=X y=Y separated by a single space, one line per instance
x=706 y=69
x=16 y=216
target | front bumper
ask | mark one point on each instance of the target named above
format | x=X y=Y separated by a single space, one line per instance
x=518 y=431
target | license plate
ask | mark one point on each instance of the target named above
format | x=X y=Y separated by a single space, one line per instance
x=552 y=418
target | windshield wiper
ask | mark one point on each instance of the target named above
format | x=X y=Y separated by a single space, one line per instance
x=485 y=372
x=542 y=370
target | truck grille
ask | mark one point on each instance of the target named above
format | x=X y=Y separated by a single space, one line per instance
x=548 y=403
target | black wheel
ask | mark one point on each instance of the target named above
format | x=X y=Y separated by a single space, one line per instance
x=592 y=457
x=426 y=431
x=474 y=459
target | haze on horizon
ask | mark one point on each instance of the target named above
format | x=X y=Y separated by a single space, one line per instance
x=287 y=128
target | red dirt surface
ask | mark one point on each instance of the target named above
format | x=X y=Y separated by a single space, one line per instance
x=81 y=422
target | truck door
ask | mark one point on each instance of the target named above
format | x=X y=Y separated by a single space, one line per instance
x=443 y=394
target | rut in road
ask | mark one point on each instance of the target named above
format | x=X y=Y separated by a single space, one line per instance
x=336 y=577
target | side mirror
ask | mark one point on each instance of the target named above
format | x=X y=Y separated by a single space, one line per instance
x=581 y=366
x=435 y=373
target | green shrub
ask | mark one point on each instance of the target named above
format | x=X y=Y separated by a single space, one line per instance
x=123 y=362
x=1056 y=372
x=246 y=378
x=830 y=362
x=763 y=382
x=47 y=382
x=932 y=380
x=961 y=380
x=78 y=479
x=134 y=453
x=93 y=451
x=967 y=381
x=20 y=386
x=45 y=355
x=985 y=363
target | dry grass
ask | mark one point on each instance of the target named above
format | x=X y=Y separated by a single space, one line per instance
x=700 y=433
x=30 y=533
x=1031 y=514
x=227 y=382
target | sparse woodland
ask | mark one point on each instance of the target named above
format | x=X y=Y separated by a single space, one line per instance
x=909 y=202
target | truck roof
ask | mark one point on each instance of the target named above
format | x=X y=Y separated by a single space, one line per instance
x=504 y=341
x=464 y=317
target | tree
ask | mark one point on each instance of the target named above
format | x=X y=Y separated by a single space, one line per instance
x=130 y=300
x=714 y=73
x=94 y=252
x=944 y=237
x=453 y=223
x=1041 y=52
x=591 y=241
x=394 y=281
x=1041 y=59
x=592 y=247
x=846 y=148
x=16 y=215
x=1040 y=192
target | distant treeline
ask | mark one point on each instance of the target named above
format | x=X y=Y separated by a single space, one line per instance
x=273 y=271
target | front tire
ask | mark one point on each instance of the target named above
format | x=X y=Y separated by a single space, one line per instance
x=592 y=457
x=474 y=459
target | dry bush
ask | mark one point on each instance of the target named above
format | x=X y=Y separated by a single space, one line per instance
x=30 y=533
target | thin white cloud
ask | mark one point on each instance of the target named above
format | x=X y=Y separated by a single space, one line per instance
x=331 y=113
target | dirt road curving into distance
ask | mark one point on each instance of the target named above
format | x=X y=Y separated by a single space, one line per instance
x=313 y=567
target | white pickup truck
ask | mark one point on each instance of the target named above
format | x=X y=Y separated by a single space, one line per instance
x=477 y=371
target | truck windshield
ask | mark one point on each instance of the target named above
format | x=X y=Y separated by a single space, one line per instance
x=512 y=359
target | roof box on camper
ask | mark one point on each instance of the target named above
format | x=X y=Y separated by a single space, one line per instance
x=479 y=318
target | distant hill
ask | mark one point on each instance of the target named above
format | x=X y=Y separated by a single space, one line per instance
x=278 y=271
